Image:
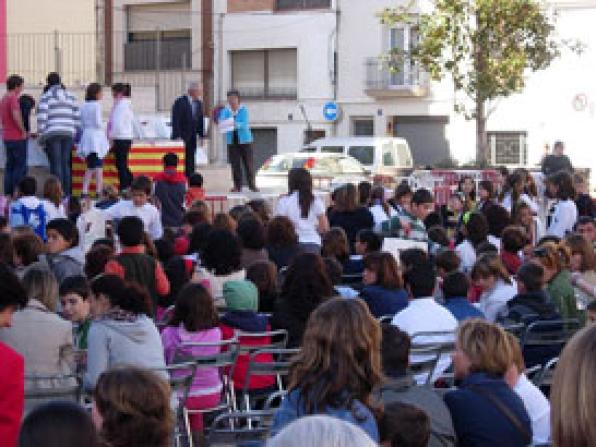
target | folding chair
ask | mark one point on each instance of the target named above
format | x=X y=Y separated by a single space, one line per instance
x=224 y=361
x=181 y=376
x=425 y=345
x=545 y=339
x=386 y=319
x=425 y=363
x=276 y=397
x=544 y=378
x=279 y=340
x=42 y=388
x=234 y=428
x=165 y=318
x=257 y=368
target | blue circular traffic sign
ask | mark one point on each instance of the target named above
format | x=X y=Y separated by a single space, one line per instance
x=330 y=111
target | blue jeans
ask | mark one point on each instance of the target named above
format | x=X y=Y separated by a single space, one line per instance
x=16 y=164
x=59 y=150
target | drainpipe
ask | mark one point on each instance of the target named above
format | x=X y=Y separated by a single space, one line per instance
x=336 y=62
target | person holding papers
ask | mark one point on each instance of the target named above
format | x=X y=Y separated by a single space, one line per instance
x=234 y=123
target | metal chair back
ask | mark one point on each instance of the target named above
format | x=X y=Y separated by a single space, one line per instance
x=279 y=340
x=386 y=319
x=553 y=333
x=42 y=388
x=425 y=363
x=240 y=427
x=544 y=378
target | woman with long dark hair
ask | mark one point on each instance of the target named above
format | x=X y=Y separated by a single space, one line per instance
x=348 y=214
x=337 y=369
x=306 y=285
x=306 y=211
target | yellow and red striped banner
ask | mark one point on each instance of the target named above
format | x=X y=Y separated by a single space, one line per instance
x=143 y=159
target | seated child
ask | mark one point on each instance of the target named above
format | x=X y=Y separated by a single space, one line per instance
x=132 y=264
x=513 y=241
x=195 y=190
x=140 y=207
x=263 y=274
x=195 y=321
x=28 y=210
x=242 y=302
x=404 y=425
x=64 y=256
x=334 y=271
x=455 y=291
x=74 y=296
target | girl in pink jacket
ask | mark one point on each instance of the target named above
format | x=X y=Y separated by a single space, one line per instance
x=195 y=321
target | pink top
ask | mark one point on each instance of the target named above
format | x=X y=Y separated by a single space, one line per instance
x=11 y=130
x=207 y=380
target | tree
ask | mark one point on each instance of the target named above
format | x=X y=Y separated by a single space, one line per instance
x=485 y=46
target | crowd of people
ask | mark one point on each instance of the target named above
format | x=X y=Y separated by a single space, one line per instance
x=109 y=294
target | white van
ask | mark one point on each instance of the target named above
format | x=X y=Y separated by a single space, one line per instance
x=384 y=157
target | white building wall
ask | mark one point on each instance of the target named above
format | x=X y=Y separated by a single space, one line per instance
x=312 y=34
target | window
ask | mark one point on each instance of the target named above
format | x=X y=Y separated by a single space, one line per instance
x=266 y=73
x=174 y=36
x=508 y=148
x=282 y=5
x=363 y=127
x=405 y=72
x=389 y=154
x=364 y=154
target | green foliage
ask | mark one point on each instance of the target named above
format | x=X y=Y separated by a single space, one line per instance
x=485 y=46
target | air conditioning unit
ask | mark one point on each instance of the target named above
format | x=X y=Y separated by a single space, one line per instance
x=508 y=148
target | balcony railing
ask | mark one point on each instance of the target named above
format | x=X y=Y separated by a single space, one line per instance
x=264 y=93
x=289 y=5
x=406 y=80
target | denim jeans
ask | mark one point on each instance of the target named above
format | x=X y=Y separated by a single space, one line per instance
x=16 y=164
x=59 y=150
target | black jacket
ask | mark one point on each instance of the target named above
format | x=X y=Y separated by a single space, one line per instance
x=184 y=126
x=555 y=163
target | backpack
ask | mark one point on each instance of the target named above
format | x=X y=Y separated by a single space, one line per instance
x=36 y=218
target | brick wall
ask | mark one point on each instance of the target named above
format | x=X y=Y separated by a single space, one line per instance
x=250 y=5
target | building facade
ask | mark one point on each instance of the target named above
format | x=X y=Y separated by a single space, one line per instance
x=290 y=57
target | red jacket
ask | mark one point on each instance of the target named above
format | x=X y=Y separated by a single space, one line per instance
x=239 y=377
x=12 y=395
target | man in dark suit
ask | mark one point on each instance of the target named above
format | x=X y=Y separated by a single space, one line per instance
x=187 y=123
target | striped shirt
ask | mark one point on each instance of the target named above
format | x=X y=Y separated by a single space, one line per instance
x=57 y=113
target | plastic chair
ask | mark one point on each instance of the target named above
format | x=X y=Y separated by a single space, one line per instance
x=279 y=367
x=235 y=429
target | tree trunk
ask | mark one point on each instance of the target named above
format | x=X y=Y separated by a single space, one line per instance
x=481 y=137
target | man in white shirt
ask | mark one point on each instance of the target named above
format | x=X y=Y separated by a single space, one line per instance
x=139 y=207
x=424 y=314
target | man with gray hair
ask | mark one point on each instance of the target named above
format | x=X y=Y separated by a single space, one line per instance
x=187 y=123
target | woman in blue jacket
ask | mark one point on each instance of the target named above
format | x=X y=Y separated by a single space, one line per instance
x=337 y=368
x=239 y=141
x=486 y=412
x=383 y=286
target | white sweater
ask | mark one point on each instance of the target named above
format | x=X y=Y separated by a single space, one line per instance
x=121 y=126
x=563 y=218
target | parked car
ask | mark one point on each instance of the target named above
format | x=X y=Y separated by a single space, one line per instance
x=328 y=170
x=386 y=158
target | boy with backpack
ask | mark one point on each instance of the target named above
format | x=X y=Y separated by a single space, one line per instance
x=132 y=264
x=28 y=210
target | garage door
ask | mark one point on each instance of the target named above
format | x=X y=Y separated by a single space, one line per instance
x=264 y=146
x=426 y=137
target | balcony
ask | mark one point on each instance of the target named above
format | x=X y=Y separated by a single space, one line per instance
x=382 y=82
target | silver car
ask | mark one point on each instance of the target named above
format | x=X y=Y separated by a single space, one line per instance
x=328 y=170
